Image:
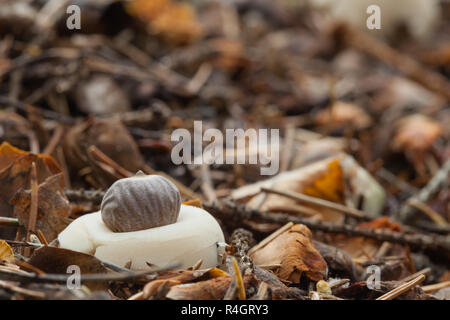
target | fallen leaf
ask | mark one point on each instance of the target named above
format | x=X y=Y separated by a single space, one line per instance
x=381 y=223
x=6 y=252
x=57 y=260
x=53 y=207
x=213 y=289
x=112 y=138
x=15 y=173
x=172 y=278
x=330 y=185
x=294 y=251
x=318 y=177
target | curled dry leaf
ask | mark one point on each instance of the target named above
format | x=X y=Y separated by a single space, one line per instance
x=112 y=138
x=326 y=179
x=173 y=278
x=6 y=252
x=15 y=171
x=213 y=289
x=53 y=207
x=294 y=251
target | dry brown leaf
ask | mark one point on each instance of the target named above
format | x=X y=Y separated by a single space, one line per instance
x=112 y=138
x=213 y=289
x=15 y=174
x=294 y=251
x=53 y=207
x=322 y=178
x=172 y=278
x=57 y=260
x=6 y=252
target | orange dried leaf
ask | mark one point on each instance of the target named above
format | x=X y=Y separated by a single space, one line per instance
x=174 y=22
x=6 y=252
x=381 y=223
x=294 y=251
x=330 y=185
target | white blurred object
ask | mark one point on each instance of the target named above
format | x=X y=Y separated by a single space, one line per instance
x=420 y=16
x=192 y=238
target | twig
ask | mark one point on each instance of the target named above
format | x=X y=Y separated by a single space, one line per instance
x=4 y=100
x=241 y=239
x=9 y=222
x=62 y=278
x=237 y=286
x=410 y=67
x=320 y=202
x=23 y=243
x=31 y=293
x=235 y=213
x=425 y=271
x=264 y=242
x=402 y=289
x=436 y=286
x=56 y=137
x=34 y=205
x=406 y=213
x=100 y=156
x=433 y=215
x=42 y=237
x=263 y=292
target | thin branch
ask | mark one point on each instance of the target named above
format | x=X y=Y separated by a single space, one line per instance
x=317 y=201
